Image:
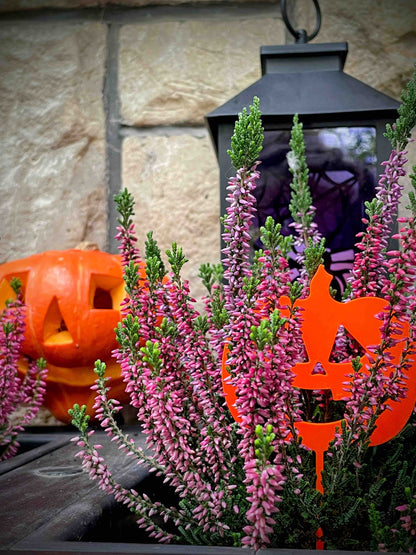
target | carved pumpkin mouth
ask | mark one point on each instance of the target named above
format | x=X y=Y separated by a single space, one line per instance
x=319 y=406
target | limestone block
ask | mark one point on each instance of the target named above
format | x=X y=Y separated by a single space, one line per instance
x=52 y=160
x=175 y=182
x=173 y=72
x=381 y=37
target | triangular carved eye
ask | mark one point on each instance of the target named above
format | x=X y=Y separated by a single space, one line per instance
x=55 y=331
x=345 y=347
x=106 y=292
x=7 y=293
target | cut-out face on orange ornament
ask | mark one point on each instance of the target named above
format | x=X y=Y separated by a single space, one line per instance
x=322 y=317
x=72 y=305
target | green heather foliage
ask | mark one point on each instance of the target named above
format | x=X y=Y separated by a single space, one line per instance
x=301 y=200
x=247 y=141
x=399 y=134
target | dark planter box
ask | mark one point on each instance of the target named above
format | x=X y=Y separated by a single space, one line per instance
x=35 y=442
x=48 y=505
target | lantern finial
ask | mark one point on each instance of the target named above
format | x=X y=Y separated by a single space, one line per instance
x=301 y=35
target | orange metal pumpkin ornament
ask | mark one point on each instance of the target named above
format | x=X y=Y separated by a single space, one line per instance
x=322 y=316
x=72 y=303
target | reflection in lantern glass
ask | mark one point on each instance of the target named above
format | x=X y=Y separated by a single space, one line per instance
x=342 y=176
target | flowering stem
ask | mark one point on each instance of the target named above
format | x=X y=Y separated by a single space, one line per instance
x=14 y=391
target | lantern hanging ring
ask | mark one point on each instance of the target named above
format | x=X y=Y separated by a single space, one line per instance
x=301 y=35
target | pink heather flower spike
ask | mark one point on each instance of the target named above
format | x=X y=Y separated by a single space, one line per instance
x=369 y=272
x=15 y=392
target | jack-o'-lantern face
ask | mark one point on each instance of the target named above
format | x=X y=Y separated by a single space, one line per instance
x=72 y=305
x=322 y=317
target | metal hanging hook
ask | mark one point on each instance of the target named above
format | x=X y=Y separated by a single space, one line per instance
x=301 y=36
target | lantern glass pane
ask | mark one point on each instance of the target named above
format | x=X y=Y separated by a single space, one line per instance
x=342 y=176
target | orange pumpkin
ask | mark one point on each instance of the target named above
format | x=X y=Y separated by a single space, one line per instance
x=322 y=316
x=72 y=303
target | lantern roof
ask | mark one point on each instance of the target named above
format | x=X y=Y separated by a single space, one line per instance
x=307 y=79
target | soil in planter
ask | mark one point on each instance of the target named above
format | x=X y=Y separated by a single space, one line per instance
x=118 y=524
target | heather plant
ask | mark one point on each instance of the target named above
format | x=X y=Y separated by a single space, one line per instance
x=20 y=398
x=251 y=481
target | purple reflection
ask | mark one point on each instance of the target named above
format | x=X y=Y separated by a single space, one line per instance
x=342 y=176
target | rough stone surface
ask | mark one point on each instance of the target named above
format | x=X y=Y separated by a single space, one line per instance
x=52 y=160
x=174 y=180
x=381 y=37
x=43 y=418
x=381 y=40
x=173 y=72
x=16 y=5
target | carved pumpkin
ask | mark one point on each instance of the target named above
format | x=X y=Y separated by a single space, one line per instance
x=72 y=303
x=322 y=316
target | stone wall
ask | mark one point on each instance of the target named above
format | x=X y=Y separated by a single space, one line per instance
x=170 y=164
x=98 y=95
x=52 y=155
x=381 y=38
x=99 y=99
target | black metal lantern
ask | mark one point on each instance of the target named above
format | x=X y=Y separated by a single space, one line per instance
x=343 y=120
